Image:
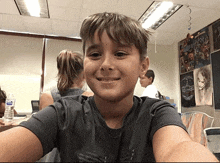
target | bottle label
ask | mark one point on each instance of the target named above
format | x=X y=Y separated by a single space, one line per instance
x=9 y=102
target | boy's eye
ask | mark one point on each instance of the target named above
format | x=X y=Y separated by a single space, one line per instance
x=120 y=54
x=94 y=55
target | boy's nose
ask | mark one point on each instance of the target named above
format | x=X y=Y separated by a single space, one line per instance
x=107 y=64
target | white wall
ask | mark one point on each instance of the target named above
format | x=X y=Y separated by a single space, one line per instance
x=20 y=65
x=164 y=62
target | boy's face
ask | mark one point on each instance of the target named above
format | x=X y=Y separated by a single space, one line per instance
x=112 y=70
x=145 y=81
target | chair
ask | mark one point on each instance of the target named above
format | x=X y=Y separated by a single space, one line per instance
x=35 y=105
x=195 y=123
x=212 y=136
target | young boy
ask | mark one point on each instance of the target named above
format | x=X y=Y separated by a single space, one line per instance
x=113 y=125
x=147 y=82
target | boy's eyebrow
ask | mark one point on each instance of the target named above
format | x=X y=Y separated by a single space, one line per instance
x=124 y=46
x=93 y=46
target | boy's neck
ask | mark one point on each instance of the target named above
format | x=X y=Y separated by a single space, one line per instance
x=114 y=112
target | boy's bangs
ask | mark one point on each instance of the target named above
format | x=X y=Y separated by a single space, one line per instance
x=119 y=35
x=120 y=29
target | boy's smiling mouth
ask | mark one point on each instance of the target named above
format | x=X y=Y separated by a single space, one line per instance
x=107 y=79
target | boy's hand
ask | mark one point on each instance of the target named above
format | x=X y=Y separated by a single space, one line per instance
x=5 y=126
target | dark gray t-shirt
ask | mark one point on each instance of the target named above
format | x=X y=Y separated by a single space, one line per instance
x=54 y=155
x=70 y=92
x=75 y=126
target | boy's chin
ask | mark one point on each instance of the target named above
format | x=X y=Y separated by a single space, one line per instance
x=112 y=98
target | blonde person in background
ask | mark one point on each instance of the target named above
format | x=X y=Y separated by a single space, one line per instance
x=70 y=82
x=70 y=78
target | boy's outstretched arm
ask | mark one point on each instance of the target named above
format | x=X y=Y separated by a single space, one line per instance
x=19 y=145
x=173 y=144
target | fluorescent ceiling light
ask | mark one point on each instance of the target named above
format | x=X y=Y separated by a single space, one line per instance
x=37 y=8
x=158 y=13
x=33 y=7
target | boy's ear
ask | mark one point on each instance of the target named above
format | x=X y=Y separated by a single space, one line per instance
x=144 y=66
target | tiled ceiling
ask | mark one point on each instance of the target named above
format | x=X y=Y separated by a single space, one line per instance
x=66 y=17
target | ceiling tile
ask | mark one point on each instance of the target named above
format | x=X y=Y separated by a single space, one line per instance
x=66 y=3
x=8 y=7
x=65 y=28
x=66 y=17
x=133 y=8
x=67 y=13
x=73 y=14
x=37 y=25
x=12 y=22
x=57 y=12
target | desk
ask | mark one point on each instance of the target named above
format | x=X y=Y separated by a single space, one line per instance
x=4 y=125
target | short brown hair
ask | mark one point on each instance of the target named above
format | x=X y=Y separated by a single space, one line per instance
x=120 y=28
x=2 y=96
x=149 y=74
x=69 y=65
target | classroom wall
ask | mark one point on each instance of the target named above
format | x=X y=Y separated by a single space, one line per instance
x=164 y=62
x=24 y=69
x=20 y=65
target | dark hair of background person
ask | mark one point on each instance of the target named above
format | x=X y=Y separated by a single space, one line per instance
x=150 y=73
x=2 y=102
x=120 y=28
x=2 y=96
x=69 y=65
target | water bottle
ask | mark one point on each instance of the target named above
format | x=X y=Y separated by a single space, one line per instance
x=9 y=107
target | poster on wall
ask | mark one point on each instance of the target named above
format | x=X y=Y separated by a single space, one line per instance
x=186 y=55
x=194 y=51
x=187 y=89
x=203 y=85
x=216 y=35
x=201 y=47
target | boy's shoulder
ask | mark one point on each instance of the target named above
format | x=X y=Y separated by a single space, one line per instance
x=74 y=102
x=148 y=101
x=75 y=98
x=153 y=104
